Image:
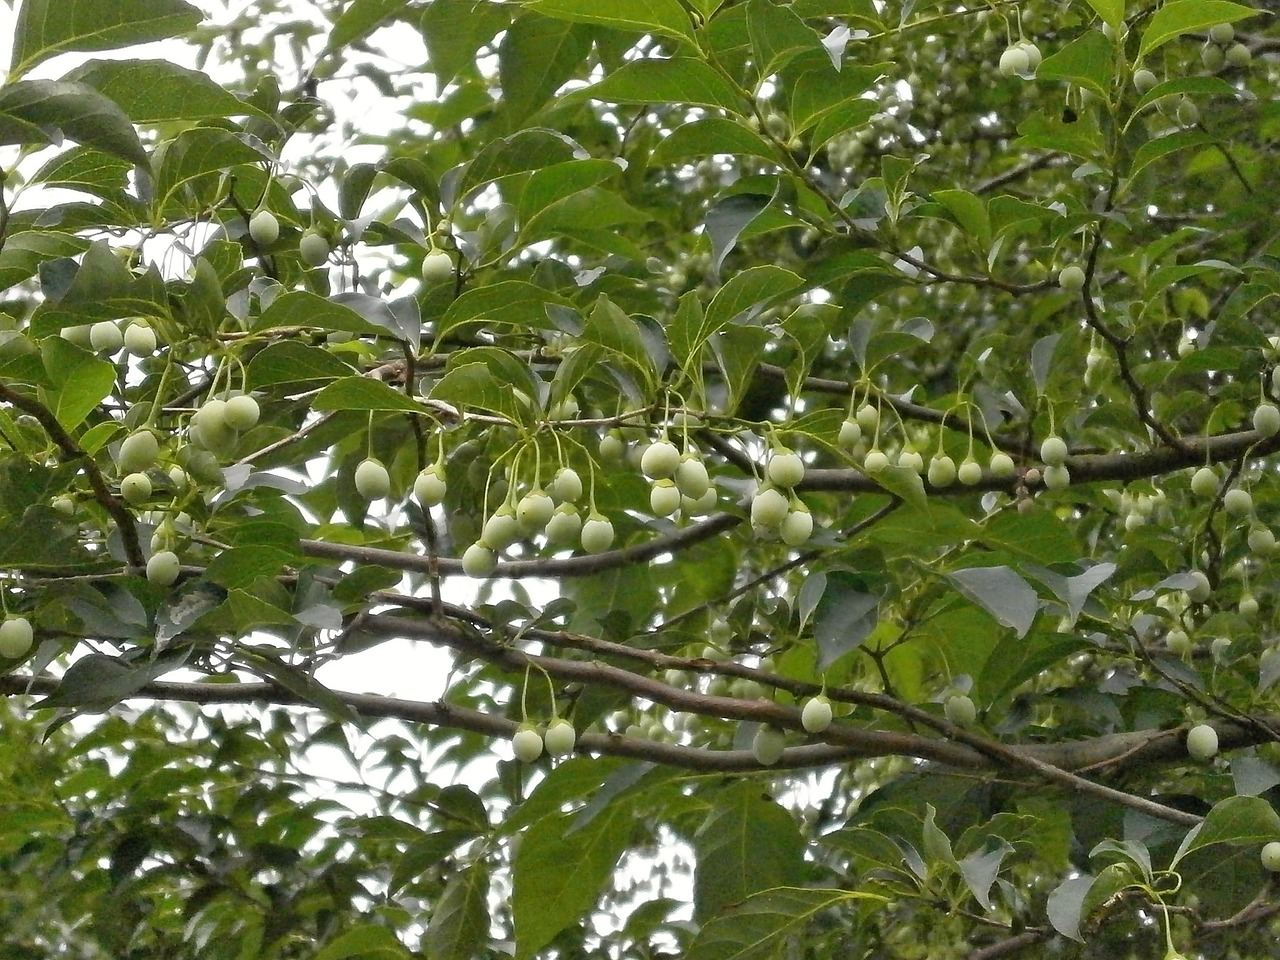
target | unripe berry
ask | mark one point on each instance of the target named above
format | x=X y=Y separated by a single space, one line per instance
x=769 y=508
x=942 y=471
x=701 y=506
x=105 y=337
x=1144 y=80
x=1204 y=482
x=970 y=472
x=479 y=561
x=501 y=529
x=1238 y=55
x=313 y=248
x=560 y=738
x=874 y=461
x=241 y=412
x=1202 y=741
x=797 y=526
x=16 y=637
x=565 y=526
x=1222 y=33
x=436 y=267
x=534 y=510
x=1248 y=606
x=138 y=451
x=1188 y=114
x=1002 y=466
x=1053 y=451
x=1034 y=57
x=911 y=460
x=612 y=447
x=1271 y=856
x=526 y=744
x=1071 y=278
x=660 y=460
x=1262 y=540
x=1237 y=502
x=960 y=710
x=868 y=417
x=567 y=485
x=1014 y=62
x=136 y=488
x=785 y=468
x=850 y=435
x=264 y=228
x=664 y=498
x=1057 y=477
x=1200 y=590
x=816 y=715
x=372 y=480
x=1266 y=419
x=64 y=505
x=163 y=568
x=1212 y=57
x=429 y=487
x=139 y=339
x=767 y=745
x=691 y=477
x=597 y=534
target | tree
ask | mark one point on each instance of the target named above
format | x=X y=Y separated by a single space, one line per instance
x=822 y=447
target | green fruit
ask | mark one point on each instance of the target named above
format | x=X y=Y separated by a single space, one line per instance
x=163 y=568
x=785 y=468
x=612 y=447
x=526 y=744
x=911 y=460
x=850 y=435
x=565 y=526
x=105 y=337
x=1015 y=61
x=429 y=487
x=701 y=506
x=597 y=534
x=868 y=417
x=1222 y=33
x=313 y=248
x=1144 y=80
x=769 y=508
x=767 y=745
x=64 y=505
x=16 y=637
x=1202 y=741
x=816 y=715
x=942 y=471
x=1053 y=451
x=1266 y=419
x=1262 y=540
x=139 y=339
x=1187 y=114
x=502 y=529
x=970 y=472
x=1212 y=57
x=1200 y=589
x=264 y=228
x=691 y=477
x=560 y=738
x=567 y=485
x=138 y=451
x=660 y=460
x=1002 y=466
x=1248 y=606
x=241 y=412
x=136 y=488
x=372 y=480
x=1057 y=477
x=664 y=498
x=1071 y=278
x=1237 y=502
x=479 y=561
x=1204 y=482
x=874 y=462
x=1271 y=856
x=437 y=266
x=797 y=527
x=960 y=710
x=534 y=510
x=1238 y=55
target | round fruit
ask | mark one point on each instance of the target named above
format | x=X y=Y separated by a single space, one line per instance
x=769 y=508
x=1200 y=589
x=138 y=451
x=874 y=461
x=664 y=498
x=566 y=409
x=1034 y=57
x=1053 y=451
x=429 y=487
x=313 y=248
x=372 y=480
x=436 y=267
x=1237 y=502
x=163 y=568
x=660 y=460
x=560 y=738
x=1144 y=80
x=264 y=228
x=16 y=637
x=785 y=468
x=534 y=510
x=911 y=460
x=942 y=471
x=64 y=505
x=1266 y=419
x=868 y=417
x=1057 y=477
x=1002 y=466
x=565 y=526
x=1188 y=114
x=1202 y=741
x=1222 y=33
x=502 y=529
x=797 y=526
x=970 y=472
x=136 y=488
x=597 y=534
x=767 y=745
x=612 y=447
x=479 y=561
x=79 y=335
x=1071 y=278
x=1014 y=62
x=1262 y=540
x=701 y=506
x=1248 y=606
x=241 y=412
x=105 y=337
x=1212 y=57
x=692 y=477
x=1178 y=642
x=960 y=710
x=140 y=339
x=1204 y=482
x=567 y=485
x=850 y=435
x=1271 y=856
x=527 y=744
x=816 y=715
x=1238 y=55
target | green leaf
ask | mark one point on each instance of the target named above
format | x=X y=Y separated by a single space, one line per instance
x=937 y=847
x=1184 y=16
x=159 y=91
x=746 y=844
x=80 y=112
x=703 y=138
x=307 y=310
x=1088 y=62
x=102 y=288
x=24 y=252
x=759 y=927
x=459 y=926
x=96 y=682
x=1066 y=901
x=845 y=616
x=727 y=218
x=454 y=31
x=510 y=302
x=777 y=36
x=681 y=80
x=87 y=170
x=536 y=57
x=1160 y=147
x=558 y=876
x=364 y=393
x=1001 y=592
x=360 y=19
x=1235 y=820
x=365 y=940
x=288 y=361
x=609 y=326
x=1111 y=11
x=980 y=870
x=49 y=27
x=969 y=211
x=474 y=386
x=663 y=17
x=79 y=381
x=821 y=92
x=745 y=294
x=553 y=184
x=297 y=682
x=195 y=153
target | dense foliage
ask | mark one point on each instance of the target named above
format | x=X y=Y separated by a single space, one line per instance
x=816 y=453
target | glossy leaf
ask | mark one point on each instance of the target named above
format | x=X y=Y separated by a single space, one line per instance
x=46 y=28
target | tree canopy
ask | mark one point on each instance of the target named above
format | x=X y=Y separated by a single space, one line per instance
x=817 y=454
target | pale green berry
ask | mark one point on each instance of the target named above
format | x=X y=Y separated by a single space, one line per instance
x=960 y=710
x=479 y=561
x=1248 y=606
x=767 y=745
x=874 y=462
x=136 y=488
x=1057 y=477
x=534 y=510
x=1201 y=589
x=64 y=505
x=1238 y=55
x=691 y=477
x=1271 y=856
x=264 y=228
x=105 y=337
x=501 y=529
x=816 y=715
x=1202 y=741
x=1014 y=62
x=1053 y=451
x=138 y=451
x=1188 y=114
x=1002 y=466
x=612 y=447
x=942 y=471
x=970 y=472
x=1071 y=278
x=769 y=508
x=1266 y=419
x=527 y=744
x=1144 y=80
x=140 y=339
x=797 y=526
x=785 y=468
x=660 y=460
x=1212 y=57
x=911 y=460
x=850 y=435
x=163 y=568
x=868 y=417
x=1237 y=502
x=313 y=248
x=701 y=506
x=1222 y=33
x=16 y=637
x=429 y=487
x=436 y=267
x=565 y=526
x=1261 y=540
x=372 y=480
x=597 y=534
x=664 y=498
x=567 y=485
x=241 y=412
x=560 y=738
x=1204 y=482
